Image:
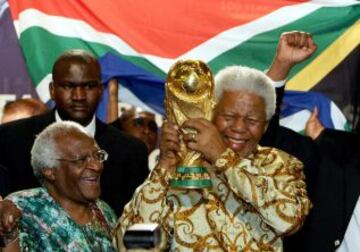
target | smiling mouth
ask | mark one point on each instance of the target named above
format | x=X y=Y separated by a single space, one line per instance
x=91 y=180
x=236 y=141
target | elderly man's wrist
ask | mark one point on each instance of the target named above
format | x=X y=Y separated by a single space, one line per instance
x=279 y=69
x=161 y=173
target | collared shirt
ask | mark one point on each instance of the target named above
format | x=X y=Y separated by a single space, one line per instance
x=278 y=84
x=46 y=226
x=253 y=202
x=90 y=128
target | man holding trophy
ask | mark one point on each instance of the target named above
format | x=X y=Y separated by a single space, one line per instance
x=215 y=188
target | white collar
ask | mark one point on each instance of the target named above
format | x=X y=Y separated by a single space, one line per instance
x=90 y=128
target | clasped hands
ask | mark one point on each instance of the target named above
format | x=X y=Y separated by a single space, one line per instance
x=207 y=140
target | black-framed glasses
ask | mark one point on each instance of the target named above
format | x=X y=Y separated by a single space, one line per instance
x=98 y=155
x=140 y=122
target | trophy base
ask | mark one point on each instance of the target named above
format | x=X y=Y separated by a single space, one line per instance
x=191 y=178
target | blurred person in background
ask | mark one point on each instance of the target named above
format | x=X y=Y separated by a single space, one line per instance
x=140 y=124
x=22 y=108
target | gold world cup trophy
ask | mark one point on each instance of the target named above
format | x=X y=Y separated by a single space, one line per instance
x=189 y=94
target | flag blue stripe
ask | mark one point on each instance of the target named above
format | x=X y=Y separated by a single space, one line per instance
x=150 y=89
x=295 y=101
x=144 y=85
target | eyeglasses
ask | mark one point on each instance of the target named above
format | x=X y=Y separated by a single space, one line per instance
x=98 y=155
x=142 y=122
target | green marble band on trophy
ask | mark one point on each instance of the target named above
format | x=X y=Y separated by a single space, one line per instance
x=189 y=94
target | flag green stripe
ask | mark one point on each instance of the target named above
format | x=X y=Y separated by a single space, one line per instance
x=326 y=24
x=41 y=48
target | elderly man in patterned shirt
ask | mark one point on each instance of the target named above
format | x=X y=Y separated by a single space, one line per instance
x=258 y=193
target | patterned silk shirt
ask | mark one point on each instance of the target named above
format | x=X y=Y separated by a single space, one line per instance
x=45 y=226
x=253 y=202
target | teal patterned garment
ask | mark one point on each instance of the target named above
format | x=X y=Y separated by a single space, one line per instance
x=45 y=226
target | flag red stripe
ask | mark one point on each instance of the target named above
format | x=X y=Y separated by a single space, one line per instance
x=158 y=27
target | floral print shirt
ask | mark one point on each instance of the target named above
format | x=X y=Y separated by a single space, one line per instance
x=253 y=202
x=45 y=226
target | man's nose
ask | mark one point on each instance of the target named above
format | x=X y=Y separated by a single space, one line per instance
x=239 y=124
x=95 y=165
x=78 y=93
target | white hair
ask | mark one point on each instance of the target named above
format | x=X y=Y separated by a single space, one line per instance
x=241 y=78
x=44 y=151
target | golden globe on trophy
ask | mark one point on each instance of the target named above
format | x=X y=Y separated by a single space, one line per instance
x=189 y=94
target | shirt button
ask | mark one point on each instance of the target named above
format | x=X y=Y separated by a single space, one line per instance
x=337 y=242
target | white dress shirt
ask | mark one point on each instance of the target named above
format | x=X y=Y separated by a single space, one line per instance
x=90 y=128
x=351 y=242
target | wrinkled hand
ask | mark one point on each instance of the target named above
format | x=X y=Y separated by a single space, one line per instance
x=207 y=140
x=313 y=127
x=169 y=145
x=293 y=48
x=9 y=215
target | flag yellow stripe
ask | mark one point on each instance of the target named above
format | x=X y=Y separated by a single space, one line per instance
x=310 y=75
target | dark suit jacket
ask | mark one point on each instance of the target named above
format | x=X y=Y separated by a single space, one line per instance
x=332 y=171
x=4 y=180
x=337 y=190
x=126 y=168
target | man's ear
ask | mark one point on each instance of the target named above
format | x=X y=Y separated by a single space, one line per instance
x=51 y=90
x=266 y=126
x=49 y=173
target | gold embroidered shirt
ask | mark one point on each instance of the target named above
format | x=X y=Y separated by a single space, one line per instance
x=253 y=202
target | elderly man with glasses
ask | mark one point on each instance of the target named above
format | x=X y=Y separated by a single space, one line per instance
x=65 y=213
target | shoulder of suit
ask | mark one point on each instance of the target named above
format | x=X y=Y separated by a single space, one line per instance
x=39 y=121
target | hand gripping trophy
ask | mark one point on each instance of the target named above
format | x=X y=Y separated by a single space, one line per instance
x=189 y=94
